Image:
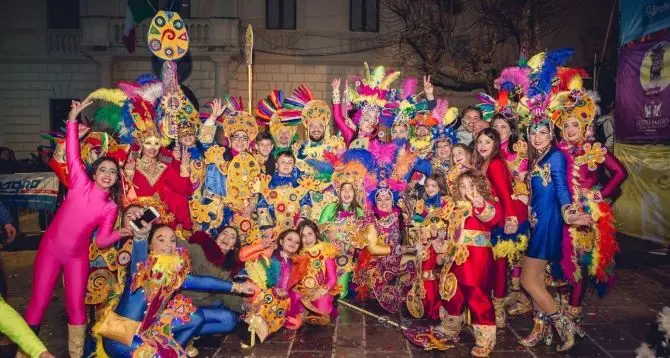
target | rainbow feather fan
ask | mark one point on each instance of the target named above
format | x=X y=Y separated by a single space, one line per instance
x=299 y=98
x=233 y=104
x=268 y=107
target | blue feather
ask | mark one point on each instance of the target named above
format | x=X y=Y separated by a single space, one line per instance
x=359 y=155
x=507 y=86
x=146 y=78
x=544 y=76
x=273 y=271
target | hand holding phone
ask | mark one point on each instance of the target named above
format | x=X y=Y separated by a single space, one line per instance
x=150 y=215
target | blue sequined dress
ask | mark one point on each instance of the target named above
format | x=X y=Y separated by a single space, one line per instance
x=549 y=194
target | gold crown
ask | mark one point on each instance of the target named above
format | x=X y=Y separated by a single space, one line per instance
x=576 y=104
x=316 y=110
x=186 y=128
x=240 y=121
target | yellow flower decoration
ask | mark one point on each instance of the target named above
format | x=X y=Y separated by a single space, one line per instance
x=462 y=254
x=594 y=154
x=199 y=212
x=214 y=155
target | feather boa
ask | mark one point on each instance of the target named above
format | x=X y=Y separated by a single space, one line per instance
x=212 y=251
x=599 y=261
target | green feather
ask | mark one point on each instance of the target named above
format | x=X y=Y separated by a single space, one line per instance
x=110 y=115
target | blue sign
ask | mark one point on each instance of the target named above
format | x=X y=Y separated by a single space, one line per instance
x=642 y=17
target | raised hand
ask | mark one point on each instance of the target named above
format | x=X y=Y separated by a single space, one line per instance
x=428 y=88
x=184 y=167
x=475 y=198
x=77 y=107
x=217 y=110
x=335 y=84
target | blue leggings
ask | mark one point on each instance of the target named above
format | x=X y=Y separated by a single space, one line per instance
x=205 y=321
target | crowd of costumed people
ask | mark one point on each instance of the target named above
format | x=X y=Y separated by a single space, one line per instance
x=281 y=216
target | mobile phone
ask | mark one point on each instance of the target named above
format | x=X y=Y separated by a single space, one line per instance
x=149 y=216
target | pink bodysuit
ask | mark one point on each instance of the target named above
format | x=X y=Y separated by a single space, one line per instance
x=66 y=241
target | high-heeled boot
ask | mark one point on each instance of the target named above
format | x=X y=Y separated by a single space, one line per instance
x=75 y=341
x=566 y=329
x=541 y=331
x=517 y=302
x=575 y=313
x=501 y=316
x=485 y=340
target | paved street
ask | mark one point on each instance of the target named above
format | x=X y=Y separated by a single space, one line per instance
x=615 y=325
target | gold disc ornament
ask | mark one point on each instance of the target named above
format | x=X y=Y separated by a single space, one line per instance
x=167 y=36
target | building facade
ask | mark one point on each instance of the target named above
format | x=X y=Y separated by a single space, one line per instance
x=54 y=51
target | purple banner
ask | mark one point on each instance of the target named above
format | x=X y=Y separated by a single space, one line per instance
x=642 y=94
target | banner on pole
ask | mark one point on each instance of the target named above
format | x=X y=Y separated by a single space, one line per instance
x=642 y=17
x=643 y=95
x=642 y=210
x=29 y=190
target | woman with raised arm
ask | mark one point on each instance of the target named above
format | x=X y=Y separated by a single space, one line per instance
x=91 y=204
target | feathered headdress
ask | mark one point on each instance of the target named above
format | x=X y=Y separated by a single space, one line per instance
x=271 y=112
x=236 y=119
x=539 y=93
x=569 y=78
x=512 y=84
x=381 y=179
x=373 y=92
x=447 y=118
x=302 y=100
x=130 y=110
x=578 y=104
x=350 y=167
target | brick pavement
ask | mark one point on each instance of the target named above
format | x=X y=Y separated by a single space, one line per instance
x=615 y=325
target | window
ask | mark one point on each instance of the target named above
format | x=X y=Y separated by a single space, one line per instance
x=58 y=111
x=364 y=15
x=63 y=14
x=280 y=14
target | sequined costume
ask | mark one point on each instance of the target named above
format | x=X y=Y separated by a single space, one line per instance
x=319 y=285
x=549 y=202
x=344 y=224
x=468 y=274
x=150 y=318
x=379 y=263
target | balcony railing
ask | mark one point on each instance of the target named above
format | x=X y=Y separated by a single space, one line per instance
x=298 y=42
x=212 y=34
x=62 y=41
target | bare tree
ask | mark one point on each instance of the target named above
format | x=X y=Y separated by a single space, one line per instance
x=456 y=41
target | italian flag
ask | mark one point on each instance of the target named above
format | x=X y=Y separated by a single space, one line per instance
x=136 y=11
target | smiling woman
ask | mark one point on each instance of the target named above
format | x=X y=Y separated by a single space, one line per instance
x=65 y=244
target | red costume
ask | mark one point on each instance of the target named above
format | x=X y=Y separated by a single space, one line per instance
x=172 y=189
x=501 y=184
x=468 y=275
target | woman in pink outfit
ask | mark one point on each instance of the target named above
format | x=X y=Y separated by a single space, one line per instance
x=89 y=205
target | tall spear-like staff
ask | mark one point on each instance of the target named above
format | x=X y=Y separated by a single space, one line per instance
x=248 y=57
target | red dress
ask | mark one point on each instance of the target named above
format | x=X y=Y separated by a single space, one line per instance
x=173 y=191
